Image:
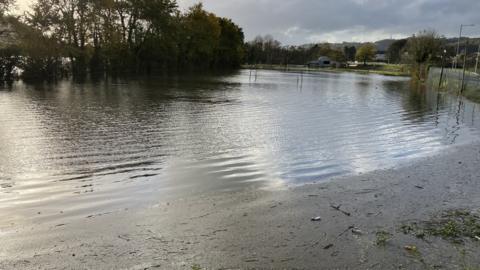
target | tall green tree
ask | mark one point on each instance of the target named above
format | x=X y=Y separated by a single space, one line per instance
x=9 y=50
x=41 y=55
x=146 y=27
x=230 y=52
x=202 y=37
x=67 y=21
x=126 y=36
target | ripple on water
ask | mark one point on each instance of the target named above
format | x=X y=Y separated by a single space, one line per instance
x=81 y=153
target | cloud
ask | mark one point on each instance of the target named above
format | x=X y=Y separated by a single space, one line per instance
x=296 y=22
x=354 y=34
x=303 y=21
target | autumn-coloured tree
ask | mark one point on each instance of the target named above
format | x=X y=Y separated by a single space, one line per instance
x=423 y=49
x=366 y=53
x=135 y=36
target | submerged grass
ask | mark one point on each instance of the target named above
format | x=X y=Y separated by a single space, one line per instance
x=472 y=94
x=452 y=83
x=381 y=69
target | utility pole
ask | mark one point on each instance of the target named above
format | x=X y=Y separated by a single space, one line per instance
x=478 y=55
x=443 y=66
x=464 y=67
x=458 y=44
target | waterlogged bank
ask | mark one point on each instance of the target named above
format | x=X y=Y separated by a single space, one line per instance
x=452 y=82
x=379 y=69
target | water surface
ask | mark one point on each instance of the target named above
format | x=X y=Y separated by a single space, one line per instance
x=74 y=150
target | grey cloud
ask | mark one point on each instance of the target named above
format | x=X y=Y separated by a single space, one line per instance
x=302 y=21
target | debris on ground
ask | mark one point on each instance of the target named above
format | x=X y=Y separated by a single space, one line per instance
x=349 y=228
x=340 y=210
x=357 y=231
x=328 y=246
x=316 y=219
x=411 y=248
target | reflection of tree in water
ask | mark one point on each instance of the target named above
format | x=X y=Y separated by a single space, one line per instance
x=417 y=102
x=423 y=105
x=446 y=110
x=363 y=84
x=413 y=99
x=396 y=86
x=452 y=133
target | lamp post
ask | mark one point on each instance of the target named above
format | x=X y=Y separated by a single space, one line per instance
x=459 y=38
x=478 y=55
x=464 y=68
x=443 y=66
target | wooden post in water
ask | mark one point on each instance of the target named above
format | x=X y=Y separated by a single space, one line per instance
x=301 y=80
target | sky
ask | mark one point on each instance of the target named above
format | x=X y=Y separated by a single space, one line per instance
x=295 y=22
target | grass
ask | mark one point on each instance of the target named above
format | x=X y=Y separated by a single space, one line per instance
x=382 y=69
x=449 y=230
x=414 y=229
x=451 y=82
x=382 y=238
x=452 y=225
x=472 y=94
x=455 y=224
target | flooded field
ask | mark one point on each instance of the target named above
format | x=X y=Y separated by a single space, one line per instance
x=73 y=150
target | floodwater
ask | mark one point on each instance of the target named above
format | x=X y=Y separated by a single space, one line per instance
x=73 y=150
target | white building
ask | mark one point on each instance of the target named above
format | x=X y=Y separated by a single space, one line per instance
x=323 y=62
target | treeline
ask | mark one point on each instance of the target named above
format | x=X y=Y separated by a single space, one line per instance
x=98 y=38
x=427 y=48
x=114 y=37
x=420 y=51
x=267 y=50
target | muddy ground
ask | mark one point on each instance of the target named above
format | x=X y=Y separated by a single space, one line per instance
x=364 y=224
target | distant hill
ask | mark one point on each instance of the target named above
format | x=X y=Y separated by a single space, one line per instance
x=454 y=41
x=384 y=44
